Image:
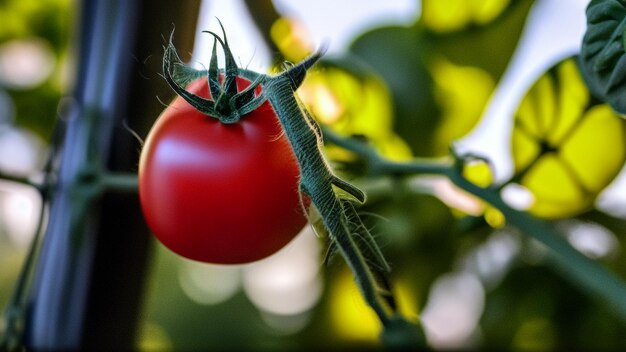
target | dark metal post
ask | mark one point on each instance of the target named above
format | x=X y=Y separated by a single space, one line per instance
x=89 y=278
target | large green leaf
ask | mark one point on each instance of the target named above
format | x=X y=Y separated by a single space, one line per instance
x=602 y=53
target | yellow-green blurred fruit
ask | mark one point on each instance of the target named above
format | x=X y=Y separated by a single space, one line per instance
x=566 y=148
x=354 y=103
x=452 y=15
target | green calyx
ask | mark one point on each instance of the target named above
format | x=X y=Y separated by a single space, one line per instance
x=228 y=104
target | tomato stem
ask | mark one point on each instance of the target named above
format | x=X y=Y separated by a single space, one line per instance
x=227 y=104
x=338 y=214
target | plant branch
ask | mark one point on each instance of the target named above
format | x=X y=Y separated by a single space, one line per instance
x=120 y=182
x=579 y=269
x=15 y=313
x=339 y=219
x=41 y=187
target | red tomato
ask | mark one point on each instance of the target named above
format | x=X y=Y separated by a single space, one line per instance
x=220 y=193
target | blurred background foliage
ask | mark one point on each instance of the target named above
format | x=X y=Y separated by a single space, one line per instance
x=410 y=91
x=35 y=73
x=35 y=37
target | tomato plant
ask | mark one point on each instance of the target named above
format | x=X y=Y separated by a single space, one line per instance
x=217 y=192
x=227 y=165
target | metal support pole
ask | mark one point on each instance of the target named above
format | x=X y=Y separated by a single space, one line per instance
x=89 y=278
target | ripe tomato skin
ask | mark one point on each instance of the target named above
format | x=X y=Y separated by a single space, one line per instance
x=220 y=193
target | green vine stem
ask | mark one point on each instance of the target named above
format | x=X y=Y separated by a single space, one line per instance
x=317 y=179
x=15 y=313
x=579 y=269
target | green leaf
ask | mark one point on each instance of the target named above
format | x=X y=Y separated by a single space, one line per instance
x=429 y=73
x=397 y=55
x=602 y=53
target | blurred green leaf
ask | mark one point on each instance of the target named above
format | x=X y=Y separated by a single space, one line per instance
x=48 y=21
x=38 y=117
x=532 y=296
x=419 y=234
x=489 y=46
x=398 y=55
x=442 y=82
